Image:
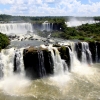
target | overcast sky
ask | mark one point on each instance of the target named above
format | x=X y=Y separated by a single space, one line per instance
x=50 y=7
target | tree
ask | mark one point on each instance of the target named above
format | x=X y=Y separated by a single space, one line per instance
x=4 y=41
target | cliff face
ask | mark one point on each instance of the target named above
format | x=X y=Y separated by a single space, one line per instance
x=47 y=26
x=39 y=62
x=95 y=51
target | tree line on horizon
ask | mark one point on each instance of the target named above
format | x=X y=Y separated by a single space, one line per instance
x=7 y=18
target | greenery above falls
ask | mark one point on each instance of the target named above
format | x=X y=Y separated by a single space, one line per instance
x=4 y=41
x=85 y=32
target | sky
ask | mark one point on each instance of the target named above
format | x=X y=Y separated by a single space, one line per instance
x=50 y=7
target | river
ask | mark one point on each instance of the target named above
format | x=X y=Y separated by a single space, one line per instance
x=83 y=83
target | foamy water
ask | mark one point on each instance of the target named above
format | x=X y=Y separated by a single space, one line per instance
x=80 y=84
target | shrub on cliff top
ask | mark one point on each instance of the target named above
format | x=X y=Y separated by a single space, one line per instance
x=4 y=41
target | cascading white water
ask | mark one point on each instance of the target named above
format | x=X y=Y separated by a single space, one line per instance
x=16 y=28
x=62 y=85
x=89 y=53
x=46 y=26
x=12 y=82
x=86 y=57
x=7 y=61
x=71 y=57
x=17 y=60
x=84 y=60
x=96 y=54
x=1 y=66
x=59 y=64
x=41 y=69
x=85 y=49
x=10 y=56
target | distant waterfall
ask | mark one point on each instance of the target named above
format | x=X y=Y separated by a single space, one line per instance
x=47 y=26
x=74 y=22
x=16 y=28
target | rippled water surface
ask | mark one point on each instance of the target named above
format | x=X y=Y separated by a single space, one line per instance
x=83 y=83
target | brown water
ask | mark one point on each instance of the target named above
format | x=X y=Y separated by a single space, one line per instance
x=83 y=83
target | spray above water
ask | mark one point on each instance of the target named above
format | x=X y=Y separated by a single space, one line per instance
x=16 y=28
x=74 y=22
x=61 y=81
x=12 y=83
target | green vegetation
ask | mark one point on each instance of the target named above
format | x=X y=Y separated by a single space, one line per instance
x=40 y=19
x=4 y=41
x=86 y=32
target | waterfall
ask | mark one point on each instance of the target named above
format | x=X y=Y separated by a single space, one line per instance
x=1 y=66
x=42 y=71
x=42 y=62
x=71 y=57
x=84 y=60
x=89 y=55
x=16 y=28
x=59 y=64
x=17 y=62
x=96 y=54
x=86 y=54
x=47 y=26
x=52 y=27
x=65 y=67
x=11 y=61
x=79 y=53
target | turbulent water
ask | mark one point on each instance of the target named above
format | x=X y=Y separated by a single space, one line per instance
x=82 y=83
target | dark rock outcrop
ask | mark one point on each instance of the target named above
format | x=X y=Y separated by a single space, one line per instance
x=64 y=53
x=38 y=62
x=92 y=47
x=98 y=51
x=78 y=49
x=17 y=61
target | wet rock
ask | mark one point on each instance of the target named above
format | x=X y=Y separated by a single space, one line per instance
x=92 y=47
x=64 y=53
x=17 y=62
x=37 y=62
x=78 y=49
x=98 y=51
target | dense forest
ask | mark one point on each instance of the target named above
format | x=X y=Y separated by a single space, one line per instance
x=7 y=18
x=4 y=41
x=85 y=32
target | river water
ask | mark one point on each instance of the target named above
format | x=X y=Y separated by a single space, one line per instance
x=83 y=83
